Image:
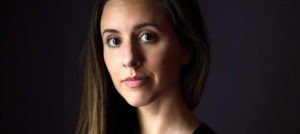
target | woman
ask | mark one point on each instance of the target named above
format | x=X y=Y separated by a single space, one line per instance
x=146 y=65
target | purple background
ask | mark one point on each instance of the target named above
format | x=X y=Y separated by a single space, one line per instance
x=253 y=87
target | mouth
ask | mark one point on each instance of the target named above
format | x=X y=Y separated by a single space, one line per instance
x=135 y=81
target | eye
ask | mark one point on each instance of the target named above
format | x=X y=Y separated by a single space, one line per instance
x=148 y=37
x=113 y=42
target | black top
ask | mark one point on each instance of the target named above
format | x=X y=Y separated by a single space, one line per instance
x=203 y=129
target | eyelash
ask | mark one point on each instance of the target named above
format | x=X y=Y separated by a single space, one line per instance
x=153 y=37
x=108 y=41
x=143 y=38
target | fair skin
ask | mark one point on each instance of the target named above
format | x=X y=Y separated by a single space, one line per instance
x=143 y=56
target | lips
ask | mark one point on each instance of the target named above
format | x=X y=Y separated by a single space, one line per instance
x=136 y=81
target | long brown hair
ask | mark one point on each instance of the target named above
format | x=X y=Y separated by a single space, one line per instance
x=103 y=110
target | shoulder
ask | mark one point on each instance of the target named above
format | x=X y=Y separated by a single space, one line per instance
x=204 y=129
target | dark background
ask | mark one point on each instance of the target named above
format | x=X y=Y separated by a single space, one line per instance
x=253 y=87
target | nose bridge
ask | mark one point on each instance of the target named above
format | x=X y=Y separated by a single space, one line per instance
x=129 y=52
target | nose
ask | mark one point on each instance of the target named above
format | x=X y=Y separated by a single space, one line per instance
x=131 y=57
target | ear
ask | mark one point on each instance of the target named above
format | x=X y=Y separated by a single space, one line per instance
x=187 y=54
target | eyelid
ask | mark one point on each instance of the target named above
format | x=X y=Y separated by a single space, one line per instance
x=111 y=31
x=108 y=38
x=153 y=34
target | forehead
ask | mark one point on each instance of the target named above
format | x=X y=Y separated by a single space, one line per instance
x=146 y=4
x=125 y=12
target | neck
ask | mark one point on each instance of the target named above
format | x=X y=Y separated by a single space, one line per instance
x=168 y=114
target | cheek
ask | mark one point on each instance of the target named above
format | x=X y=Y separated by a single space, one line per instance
x=155 y=59
x=165 y=60
x=110 y=62
x=113 y=67
x=106 y=60
x=170 y=55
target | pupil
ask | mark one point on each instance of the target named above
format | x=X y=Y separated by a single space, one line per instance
x=115 y=41
x=148 y=36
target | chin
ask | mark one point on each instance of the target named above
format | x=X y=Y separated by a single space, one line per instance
x=138 y=100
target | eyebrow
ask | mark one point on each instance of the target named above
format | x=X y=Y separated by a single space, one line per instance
x=110 y=31
x=139 y=26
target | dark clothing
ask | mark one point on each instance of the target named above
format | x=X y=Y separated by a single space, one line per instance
x=203 y=129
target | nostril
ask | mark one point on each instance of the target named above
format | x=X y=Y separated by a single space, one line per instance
x=136 y=64
x=131 y=56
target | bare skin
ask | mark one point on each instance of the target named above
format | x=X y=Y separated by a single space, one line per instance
x=168 y=115
x=144 y=56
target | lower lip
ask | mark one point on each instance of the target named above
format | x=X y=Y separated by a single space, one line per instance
x=134 y=83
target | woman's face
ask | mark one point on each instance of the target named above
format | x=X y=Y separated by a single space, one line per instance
x=141 y=51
